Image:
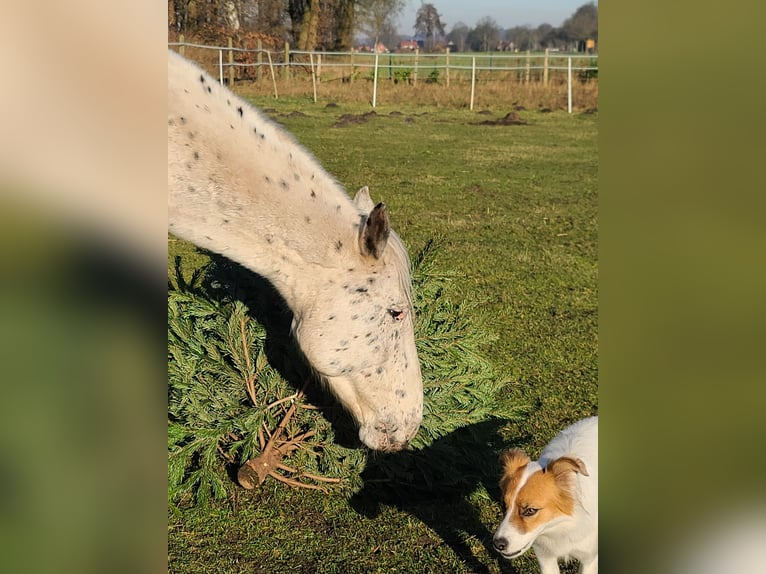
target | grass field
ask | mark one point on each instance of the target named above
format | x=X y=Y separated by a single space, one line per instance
x=515 y=207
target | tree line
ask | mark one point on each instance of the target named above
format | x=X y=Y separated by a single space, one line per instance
x=335 y=24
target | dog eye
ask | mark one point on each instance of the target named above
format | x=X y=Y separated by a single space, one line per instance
x=527 y=512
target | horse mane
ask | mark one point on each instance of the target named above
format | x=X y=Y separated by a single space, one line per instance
x=401 y=261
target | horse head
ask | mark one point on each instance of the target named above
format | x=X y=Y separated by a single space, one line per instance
x=358 y=333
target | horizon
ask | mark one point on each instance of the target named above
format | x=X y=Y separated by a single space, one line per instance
x=505 y=14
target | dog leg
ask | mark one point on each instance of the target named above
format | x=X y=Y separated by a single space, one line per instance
x=548 y=564
x=590 y=567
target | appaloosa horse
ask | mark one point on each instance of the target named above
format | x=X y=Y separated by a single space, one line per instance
x=239 y=185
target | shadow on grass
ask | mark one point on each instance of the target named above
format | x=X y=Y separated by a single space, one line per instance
x=223 y=280
x=435 y=484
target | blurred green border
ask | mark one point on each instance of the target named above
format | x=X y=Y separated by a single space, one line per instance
x=682 y=273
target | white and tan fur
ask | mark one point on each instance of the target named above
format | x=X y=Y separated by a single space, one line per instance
x=239 y=185
x=551 y=504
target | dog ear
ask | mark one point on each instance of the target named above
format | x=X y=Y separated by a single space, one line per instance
x=565 y=464
x=513 y=463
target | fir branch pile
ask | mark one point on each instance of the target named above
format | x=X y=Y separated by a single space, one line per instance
x=228 y=407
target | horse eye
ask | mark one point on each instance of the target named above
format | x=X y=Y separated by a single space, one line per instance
x=529 y=512
x=397 y=314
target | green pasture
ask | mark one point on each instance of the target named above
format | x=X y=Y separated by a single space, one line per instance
x=514 y=208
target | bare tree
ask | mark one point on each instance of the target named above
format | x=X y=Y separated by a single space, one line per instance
x=374 y=16
x=485 y=36
x=428 y=22
x=458 y=36
x=583 y=24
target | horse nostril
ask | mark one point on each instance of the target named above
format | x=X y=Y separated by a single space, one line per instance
x=500 y=543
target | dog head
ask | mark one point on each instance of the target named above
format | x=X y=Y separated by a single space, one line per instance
x=535 y=498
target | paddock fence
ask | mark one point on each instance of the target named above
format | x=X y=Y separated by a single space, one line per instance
x=469 y=72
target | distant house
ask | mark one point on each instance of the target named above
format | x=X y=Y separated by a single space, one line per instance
x=410 y=45
x=379 y=49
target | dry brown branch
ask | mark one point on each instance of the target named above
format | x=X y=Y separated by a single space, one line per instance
x=255 y=471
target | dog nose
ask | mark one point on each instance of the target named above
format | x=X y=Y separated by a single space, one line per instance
x=500 y=543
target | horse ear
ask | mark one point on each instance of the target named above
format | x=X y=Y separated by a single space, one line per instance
x=362 y=199
x=373 y=233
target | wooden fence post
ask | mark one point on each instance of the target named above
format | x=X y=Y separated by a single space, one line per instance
x=319 y=67
x=415 y=73
x=259 y=61
x=286 y=72
x=528 y=63
x=446 y=67
x=313 y=75
x=181 y=48
x=353 y=71
x=231 y=64
x=545 y=68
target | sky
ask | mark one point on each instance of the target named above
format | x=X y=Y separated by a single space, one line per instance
x=507 y=13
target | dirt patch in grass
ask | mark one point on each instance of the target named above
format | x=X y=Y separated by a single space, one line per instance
x=510 y=119
x=353 y=119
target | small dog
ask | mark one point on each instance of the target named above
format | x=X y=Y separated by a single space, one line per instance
x=552 y=504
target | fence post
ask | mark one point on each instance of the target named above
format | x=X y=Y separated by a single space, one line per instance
x=231 y=64
x=313 y=75
x=569 y=82
x=526 y=77
x=181 y=48
x=319 y=67
x=273 y=77
x=415 y=73
x=286 y=72
x=351 y=77
x=446 y=66
x=473 y=79
x=545 y=68
x=259 y=61
x=375 y=82
x=220 y=66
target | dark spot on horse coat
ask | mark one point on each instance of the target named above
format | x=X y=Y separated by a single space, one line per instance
x=228 y=102
x=171 y=122
x=183 y=120
x=196 y=155
x=267 y=179
x=209 y=90
x=192 y=189
x=338 y=245
x=331 y=317
x=307 y=219
x=231 y=126
x=313 y=194
x=191 y=135
x=361 y=289
x=240 y=111
x=202 y=78
x=284 y=184
x=379 y=370
x=296 y=177
x=255 y=130
x=263 y=136
x=354 y=317
x=225 y=221
x=401 y=394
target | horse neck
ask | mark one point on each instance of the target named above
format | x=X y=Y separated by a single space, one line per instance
x=240 y=186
